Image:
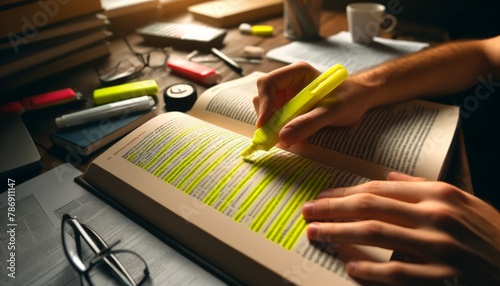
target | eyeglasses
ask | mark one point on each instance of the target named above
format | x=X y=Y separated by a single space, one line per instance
x=126 y=70
x=94 y=259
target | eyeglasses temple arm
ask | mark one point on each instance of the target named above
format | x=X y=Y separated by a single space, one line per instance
x=111 y=259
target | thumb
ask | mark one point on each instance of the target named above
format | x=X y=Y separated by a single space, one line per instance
x=303 y=126
x=396 y=176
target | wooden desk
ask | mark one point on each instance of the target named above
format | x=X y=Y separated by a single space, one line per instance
x=85 y=80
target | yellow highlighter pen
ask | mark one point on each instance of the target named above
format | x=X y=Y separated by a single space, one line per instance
x=267 y=135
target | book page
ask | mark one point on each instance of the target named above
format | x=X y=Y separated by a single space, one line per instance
x=411 y=137
x=177 y=165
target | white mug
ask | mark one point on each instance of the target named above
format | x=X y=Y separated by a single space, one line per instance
x=368 y=20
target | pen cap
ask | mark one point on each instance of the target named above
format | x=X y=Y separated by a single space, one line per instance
x=125 y=91
x=245 y=28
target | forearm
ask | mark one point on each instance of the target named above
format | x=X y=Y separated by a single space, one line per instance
x=446 y=69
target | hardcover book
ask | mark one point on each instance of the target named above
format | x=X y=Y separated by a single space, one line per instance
x=228 y=14
x=25 y=18
x=87 y=139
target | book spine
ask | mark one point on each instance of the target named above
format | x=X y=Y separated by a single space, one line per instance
x=24 y=21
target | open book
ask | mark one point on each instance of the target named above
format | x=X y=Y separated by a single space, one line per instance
x=184 y=174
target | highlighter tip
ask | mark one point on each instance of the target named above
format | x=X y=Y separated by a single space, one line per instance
x=248 y=151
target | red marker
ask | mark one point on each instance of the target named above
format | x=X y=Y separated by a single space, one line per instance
x=40 y=101
x=50 y=99
x=194 y=71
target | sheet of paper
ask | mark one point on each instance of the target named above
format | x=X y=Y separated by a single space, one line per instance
x=31 y=249
x=340 y=49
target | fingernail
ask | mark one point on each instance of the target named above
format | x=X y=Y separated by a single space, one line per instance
x=351 y=267
x=330 y=193
x=308 y=209
x=393 y=176
x=312 y=231
x=324 y=194
x=287 y=136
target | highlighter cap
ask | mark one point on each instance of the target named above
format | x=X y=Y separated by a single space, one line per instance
x=262 y=30
x=257 y=30
x=60 y=122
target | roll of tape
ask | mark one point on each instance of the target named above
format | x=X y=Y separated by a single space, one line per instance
x=180 y=97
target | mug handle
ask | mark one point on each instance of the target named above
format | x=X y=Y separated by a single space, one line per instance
x=389 y=20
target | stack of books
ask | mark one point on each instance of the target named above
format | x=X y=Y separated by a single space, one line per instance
x=45 y=37
x=126 y=15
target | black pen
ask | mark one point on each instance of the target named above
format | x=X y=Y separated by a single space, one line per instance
x=228 y=61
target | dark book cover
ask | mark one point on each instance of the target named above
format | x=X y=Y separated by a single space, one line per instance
x=88 y=138
x=17 y=149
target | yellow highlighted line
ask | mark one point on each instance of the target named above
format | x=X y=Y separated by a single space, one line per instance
x=278 y=224
x=297 y=229
x=160 y=134
x=168 y=159
x=271 y=205
x=214 y=194
x=294 y=204
x=255 y=193
x=239 y=186
x=320 y=182
x=140 y=152
x=196 y=167
x=213 y=165
x=186 y=162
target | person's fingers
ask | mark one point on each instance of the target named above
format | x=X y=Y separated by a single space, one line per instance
x=277 y=87
x=398 y=190
x=419 y=242
x=256 y=104
x=361 y=207
x=433 y=193
x=400 y=273
x=396 y=176
x=330 y=111
x=303 y=126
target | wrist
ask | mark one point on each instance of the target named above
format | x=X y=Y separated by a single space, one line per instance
x=357 y=92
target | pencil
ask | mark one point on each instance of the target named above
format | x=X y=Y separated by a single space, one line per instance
x=228 y=61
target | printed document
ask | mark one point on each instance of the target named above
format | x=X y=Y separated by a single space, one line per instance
x=339 y=49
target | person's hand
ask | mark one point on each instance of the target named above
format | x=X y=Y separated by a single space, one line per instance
x=339 y=108
x=442 y=231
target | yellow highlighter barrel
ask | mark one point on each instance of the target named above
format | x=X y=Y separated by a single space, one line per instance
x=267 y=136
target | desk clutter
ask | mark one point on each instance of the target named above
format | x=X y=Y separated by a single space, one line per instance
x=37 y=256
x=178 y=169
x=118 y=110
x=38 y=39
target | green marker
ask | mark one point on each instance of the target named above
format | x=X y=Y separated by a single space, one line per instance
x=267 y=136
